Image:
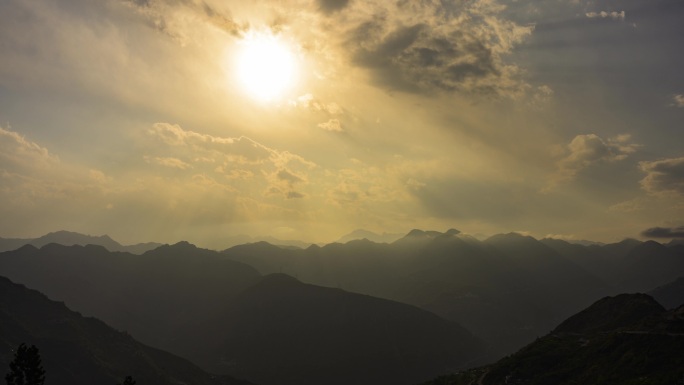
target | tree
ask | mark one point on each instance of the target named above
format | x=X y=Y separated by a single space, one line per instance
x=26 y=368
x=129 y=381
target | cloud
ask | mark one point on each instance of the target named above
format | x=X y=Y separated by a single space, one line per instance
x=239 y=150
x=678 y=100
x=586 y=150
x=330 y=6
x=175 y=18
x=18 y=153
x=427 y=46
x=664 y=232
x=167 y=162
x=332 y=125
x=606 y=15
x=663 y=176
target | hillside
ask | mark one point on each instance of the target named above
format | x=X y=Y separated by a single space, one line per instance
x=79 y=350
x=142 y=294
x=283 y=332
x=627 y=339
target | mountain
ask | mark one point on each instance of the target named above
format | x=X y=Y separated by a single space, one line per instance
x=240 y=239
x=79 y=350
x=650 y=265
x=223 y=316
x=505 y=299
x=369 y=235
x=68 y=238
x=153 y=296
x=626 y=339
x=284 y=332
x=670 y=295
x=623 y=311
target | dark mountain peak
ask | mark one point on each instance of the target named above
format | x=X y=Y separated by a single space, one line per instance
x=182 y=247
x=421 y=234
x=452 y=232
x=259 y=247
x=629 y=242
x=416 y=233
x=649 y=245
x=26 y=249
x=360 y=242
x=508 y=237
x=515 y=240
x=60 y=233
x=612 y=313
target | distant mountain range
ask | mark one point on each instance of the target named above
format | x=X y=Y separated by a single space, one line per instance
x=507 y=289
x=216 y=308
x=79 y=350
x=68 y=238
x=369 y=235
x=626 y=339
x=224 y=316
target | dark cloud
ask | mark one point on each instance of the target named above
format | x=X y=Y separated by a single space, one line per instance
x=427 y=47
x=664 y=232
x=663 y=176
x=330 y=6
x=222 y=20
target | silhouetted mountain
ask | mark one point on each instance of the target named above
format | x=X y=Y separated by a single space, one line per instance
x=68 y=238
x=627 y=339
x=207 y=308
x=505 y=299
x=622 y=248
x=371 y=236
x=670 y=295
x=153 y=296
x=241 y=239
x=281 y=331
x=612 y=313
x=650 y=265
x=79 y=350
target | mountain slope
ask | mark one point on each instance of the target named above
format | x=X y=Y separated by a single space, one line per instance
x=79 y=350
x=670 y=295
x=283 y=332
x=153 y=296
x=627 y=339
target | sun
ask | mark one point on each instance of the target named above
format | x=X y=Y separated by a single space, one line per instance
x=266 y=66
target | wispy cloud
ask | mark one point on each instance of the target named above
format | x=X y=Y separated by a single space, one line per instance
x=615 y=15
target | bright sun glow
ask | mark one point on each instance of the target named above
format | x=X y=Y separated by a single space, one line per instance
x=266 y=66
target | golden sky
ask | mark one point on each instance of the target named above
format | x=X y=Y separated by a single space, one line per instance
x=162 y=120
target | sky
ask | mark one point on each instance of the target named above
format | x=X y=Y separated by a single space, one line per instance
x=168 y=120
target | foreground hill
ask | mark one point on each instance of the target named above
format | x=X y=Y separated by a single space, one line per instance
x=79 y=350
x=627 y=339
x=68 y=238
